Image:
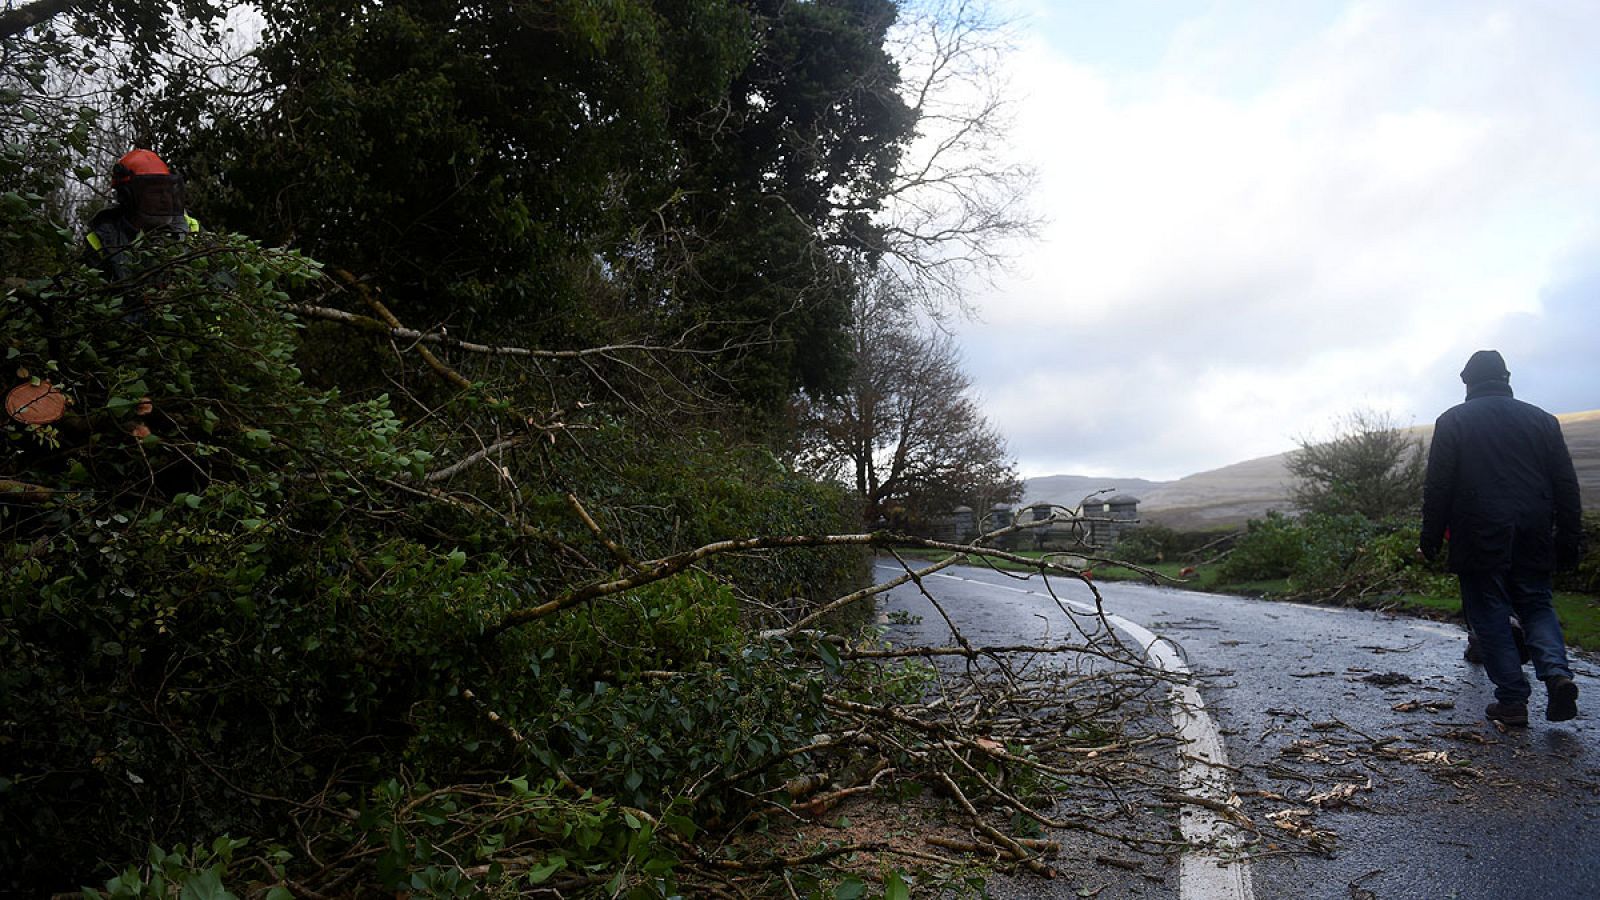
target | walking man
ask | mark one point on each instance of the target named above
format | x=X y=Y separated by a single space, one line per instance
x=1501 y=481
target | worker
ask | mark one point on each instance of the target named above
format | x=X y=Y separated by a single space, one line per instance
x=149 y=202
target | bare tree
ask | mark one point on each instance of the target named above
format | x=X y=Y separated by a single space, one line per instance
x=1371 y=467
x=958 y=196
x=908 y=434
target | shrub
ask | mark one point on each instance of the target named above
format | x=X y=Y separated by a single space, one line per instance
x=185 y=626
x=1151 y=543
x=1334 y=543
x=1334 y=556
x=1270 y=548
x=256 y=613
x=1586 y=578
x=1352 y=557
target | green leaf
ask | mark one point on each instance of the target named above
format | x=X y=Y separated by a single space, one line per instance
x=681 y=825
x=830 y=657
x=850 y=889
x=206 y=886
x=542 y=872
x=894 y=887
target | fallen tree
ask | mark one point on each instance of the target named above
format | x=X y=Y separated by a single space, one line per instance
x=465 y=637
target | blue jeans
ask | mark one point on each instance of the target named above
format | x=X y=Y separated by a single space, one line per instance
x=1489 y=599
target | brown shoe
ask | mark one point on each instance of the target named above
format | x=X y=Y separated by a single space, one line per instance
x=1513 y=715
x=1563 y=699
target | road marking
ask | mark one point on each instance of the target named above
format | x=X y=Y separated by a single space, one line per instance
x=1212 y=871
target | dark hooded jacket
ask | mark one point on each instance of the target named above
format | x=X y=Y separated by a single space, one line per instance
x=1501 y=481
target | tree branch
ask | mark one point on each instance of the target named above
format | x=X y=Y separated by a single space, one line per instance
x=367 y=323
x=16 y=21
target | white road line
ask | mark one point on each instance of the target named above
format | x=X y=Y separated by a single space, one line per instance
x=1210 y=871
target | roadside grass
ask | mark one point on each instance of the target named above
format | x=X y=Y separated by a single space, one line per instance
x=1579 y=613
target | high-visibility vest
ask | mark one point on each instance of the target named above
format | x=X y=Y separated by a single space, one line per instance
x=110 y=234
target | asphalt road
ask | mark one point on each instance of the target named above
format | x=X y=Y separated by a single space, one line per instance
x=1363 y=760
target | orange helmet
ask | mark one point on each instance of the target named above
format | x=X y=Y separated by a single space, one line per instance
x=137 y=162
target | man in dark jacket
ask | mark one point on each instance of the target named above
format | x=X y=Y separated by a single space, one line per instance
x=1501 y=481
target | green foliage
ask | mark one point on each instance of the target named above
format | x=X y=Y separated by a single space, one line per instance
x=200 y=873
x=1586 y=578
x=212 y=653
x=1270 y=548
x=1370 y=468
x=1344 y=557
x=252 y=605
x=446 y=210
x=426 y=839
x=702 y=170
x=42 y=137
x=146 y=25
x=1151 y=543
x=1336 y=548
x=250 y=602
x=698 y=490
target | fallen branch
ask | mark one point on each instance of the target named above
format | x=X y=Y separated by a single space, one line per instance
x=439 y=339
x=371 y=299
x=1018 y=852
x=1050 y=847
x=12 y=491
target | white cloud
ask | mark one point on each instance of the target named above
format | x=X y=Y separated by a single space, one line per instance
x=1250 y=239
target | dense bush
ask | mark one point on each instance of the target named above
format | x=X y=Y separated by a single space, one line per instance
x=1337 y=547
x=256 y=620
x=1151 y=543
x=1270 y=548
x=1586 y=578
x=1345 y=557
x=1351 y=558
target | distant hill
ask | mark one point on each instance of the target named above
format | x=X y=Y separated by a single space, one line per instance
x=1221 y=498
x=1232 y=495
x=1069 y=490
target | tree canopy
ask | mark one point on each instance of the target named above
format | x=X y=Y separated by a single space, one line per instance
x=692 y=167
x=908 y=435
x=1370 y=467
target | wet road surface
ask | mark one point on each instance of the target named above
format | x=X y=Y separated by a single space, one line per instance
x=1363 y=760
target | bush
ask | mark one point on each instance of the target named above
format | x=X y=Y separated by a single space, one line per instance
x=1351 y=557
x=1270 y=548
x=1334 y=556
x=1151 y=543
x=1585 y=578
x=256 y=614
x=180 y=646
x=1334 y=545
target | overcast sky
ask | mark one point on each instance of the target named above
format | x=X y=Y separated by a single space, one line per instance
x=1264 y=215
